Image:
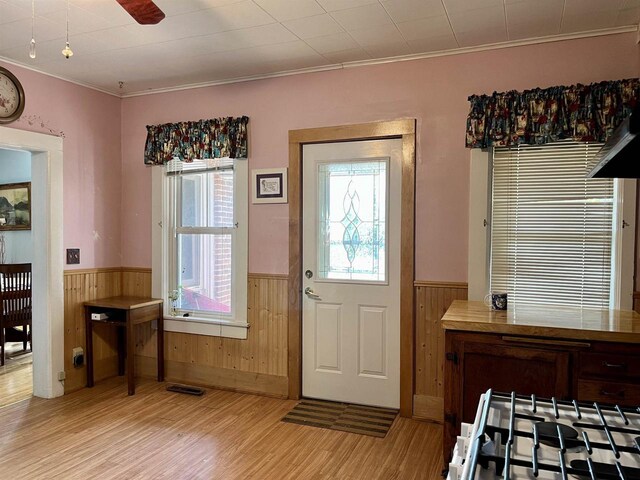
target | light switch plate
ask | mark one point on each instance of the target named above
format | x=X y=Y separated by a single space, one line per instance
x=73 y=256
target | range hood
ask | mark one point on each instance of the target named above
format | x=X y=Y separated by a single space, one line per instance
x=620 y=156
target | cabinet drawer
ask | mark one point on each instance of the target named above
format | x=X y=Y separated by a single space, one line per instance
x=607 y=365
x=144 y=314
x=609 y=392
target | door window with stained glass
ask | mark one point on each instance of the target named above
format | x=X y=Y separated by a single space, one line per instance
x=352 y=220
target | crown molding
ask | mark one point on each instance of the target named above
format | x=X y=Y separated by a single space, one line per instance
x=498 y=46
x=251 y=78
x=340 y=66
x=58 y=77
x=404 y=58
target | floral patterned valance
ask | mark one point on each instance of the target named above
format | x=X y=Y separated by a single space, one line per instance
x=214 y=138
x=582 y=112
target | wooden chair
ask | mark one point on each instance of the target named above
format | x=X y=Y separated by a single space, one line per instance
x=15 y=302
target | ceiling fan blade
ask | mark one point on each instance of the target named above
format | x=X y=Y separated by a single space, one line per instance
x=145 y=12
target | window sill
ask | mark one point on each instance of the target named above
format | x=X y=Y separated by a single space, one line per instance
x=205 y=326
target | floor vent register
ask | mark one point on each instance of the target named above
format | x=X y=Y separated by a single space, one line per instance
x=186 y=389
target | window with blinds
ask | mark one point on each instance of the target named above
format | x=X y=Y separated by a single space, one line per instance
x=551 y=227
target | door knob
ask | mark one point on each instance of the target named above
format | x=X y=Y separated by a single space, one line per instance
x=309 y=292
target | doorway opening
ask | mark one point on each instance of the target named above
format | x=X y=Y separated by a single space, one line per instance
x=16 y=247
x=47 y=339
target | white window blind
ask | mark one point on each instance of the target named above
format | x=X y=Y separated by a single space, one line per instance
x=551 y=227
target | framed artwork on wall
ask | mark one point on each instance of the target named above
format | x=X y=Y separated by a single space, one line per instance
x=269 y=185
x=15 y=206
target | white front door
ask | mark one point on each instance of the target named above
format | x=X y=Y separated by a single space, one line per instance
x=351 y=272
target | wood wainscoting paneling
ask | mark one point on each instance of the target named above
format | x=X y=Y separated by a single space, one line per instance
x=136 y=281
x=257 y=364
x=432 y=299
x=79 y=287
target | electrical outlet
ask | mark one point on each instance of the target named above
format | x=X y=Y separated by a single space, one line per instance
x=78 y=357
x=73 y=256
x=61 y=376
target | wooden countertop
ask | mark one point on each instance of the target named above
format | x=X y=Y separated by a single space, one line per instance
x=544 y=321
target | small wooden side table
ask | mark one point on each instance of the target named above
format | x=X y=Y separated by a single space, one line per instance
x=125 y=313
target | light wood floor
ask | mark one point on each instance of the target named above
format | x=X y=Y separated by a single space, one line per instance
x=16 y=376
x=101 y=433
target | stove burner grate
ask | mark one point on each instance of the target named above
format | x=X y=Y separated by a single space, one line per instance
x=601 y=470
x=556 y=435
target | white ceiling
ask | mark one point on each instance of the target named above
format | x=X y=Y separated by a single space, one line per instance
x=209 y=41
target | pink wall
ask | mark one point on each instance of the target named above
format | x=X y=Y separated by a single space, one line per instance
x=92 y=161
x=107 y=187
x=433 y=90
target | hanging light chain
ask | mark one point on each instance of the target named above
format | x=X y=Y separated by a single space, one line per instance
x=67 y=52
x=32 y=43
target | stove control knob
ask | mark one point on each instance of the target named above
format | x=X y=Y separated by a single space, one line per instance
x=463 y=446
x=466 y=430
x=455 y=471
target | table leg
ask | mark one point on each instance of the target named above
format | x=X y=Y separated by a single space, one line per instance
x=89 y=345
x=131 y=350
x=160 y=334
x=121 y=349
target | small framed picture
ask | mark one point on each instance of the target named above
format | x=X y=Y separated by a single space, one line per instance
x=269 y=185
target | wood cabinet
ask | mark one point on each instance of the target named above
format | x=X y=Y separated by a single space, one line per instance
x=609 y=373
x=476 y=362
x=547 y=367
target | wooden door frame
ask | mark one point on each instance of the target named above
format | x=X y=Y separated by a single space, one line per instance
x=406 y=130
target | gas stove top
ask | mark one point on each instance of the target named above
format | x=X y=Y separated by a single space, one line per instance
x=521 y=437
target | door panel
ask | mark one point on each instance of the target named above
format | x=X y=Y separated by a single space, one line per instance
x=328 y=336
x=372 y=341
x=351 y=246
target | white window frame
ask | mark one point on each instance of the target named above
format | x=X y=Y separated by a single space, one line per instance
x=234 y=326
x=623 y=251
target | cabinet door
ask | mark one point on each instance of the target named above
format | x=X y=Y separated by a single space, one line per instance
x=505 y=368
x=478 y=362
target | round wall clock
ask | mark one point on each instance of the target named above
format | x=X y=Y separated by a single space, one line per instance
x=11 y=97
